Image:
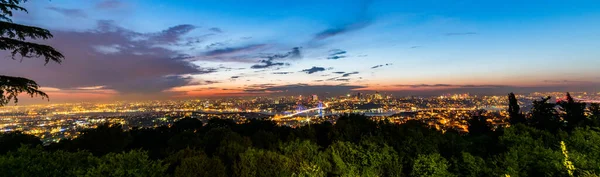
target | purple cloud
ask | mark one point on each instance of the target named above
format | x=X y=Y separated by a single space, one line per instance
x=112 y=56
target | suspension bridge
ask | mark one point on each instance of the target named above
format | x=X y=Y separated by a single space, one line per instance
x=301 y=110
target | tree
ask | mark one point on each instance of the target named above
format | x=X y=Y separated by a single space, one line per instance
x=530 y=152
x=37 y=162
x=514 y=110
x=187 y=124
x=544 y=116
x=13 y=140
x=306 y=158
x=184 y=140
x=574 y=112
x=103 y=140
x=584 y=149
x=432 y=165
x=468 y=165
x=133 y=163
x=353 y=127
x=199 y=166
x=478 y=124
x=349 y=159
x=17 y=38
x=594 y=114
x=28 y=161
x=257 y=162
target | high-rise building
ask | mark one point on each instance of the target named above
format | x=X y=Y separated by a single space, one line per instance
x=359 y=96
x=378 y=95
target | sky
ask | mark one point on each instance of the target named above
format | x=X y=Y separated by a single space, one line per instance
x=151 y=49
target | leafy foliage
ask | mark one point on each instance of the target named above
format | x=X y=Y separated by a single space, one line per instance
x=432 y=165
x=37 y=162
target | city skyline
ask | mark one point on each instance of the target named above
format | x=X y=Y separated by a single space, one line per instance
x=185 y=49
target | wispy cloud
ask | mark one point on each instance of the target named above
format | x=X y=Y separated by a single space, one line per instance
x=90 y=87
x=362 y=20
x=379 y=66
x=270 y=60
x=234 y=50
x=214 y=44
x=216 y=30
x=450 y=85
x=172 y=35
x=282 y=72
x=566 y=81
x=73 y=13
x=314 y=69
x=336 y=54
x=294 y=89
x=349 y=74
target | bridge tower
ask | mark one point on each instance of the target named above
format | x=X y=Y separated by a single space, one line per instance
x=299 y=108
x=320 y=106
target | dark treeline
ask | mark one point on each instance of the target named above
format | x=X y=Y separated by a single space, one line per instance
x=353 y=146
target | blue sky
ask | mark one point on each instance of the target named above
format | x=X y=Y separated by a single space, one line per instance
x=359 y=45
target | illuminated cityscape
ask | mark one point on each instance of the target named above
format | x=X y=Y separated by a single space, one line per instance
x=52 y=122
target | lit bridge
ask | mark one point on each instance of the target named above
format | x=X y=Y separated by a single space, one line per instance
x=299 y=110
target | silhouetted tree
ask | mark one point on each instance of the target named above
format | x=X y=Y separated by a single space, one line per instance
x=102 y=140
x=183 y=140
x=353 y=127
x=13 y=140
x=17 y=38
x=574 y=112
x=187 y=124
x=478 y=124
x=594 y=114
x=514 y=110
x=543 y=115
x=153 y=140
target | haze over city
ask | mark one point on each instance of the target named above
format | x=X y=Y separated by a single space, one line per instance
x=120 y=50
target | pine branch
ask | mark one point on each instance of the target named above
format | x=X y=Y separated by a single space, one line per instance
x=7 y=7
x=21 y=32
x=11 y=87
x=28 y=49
